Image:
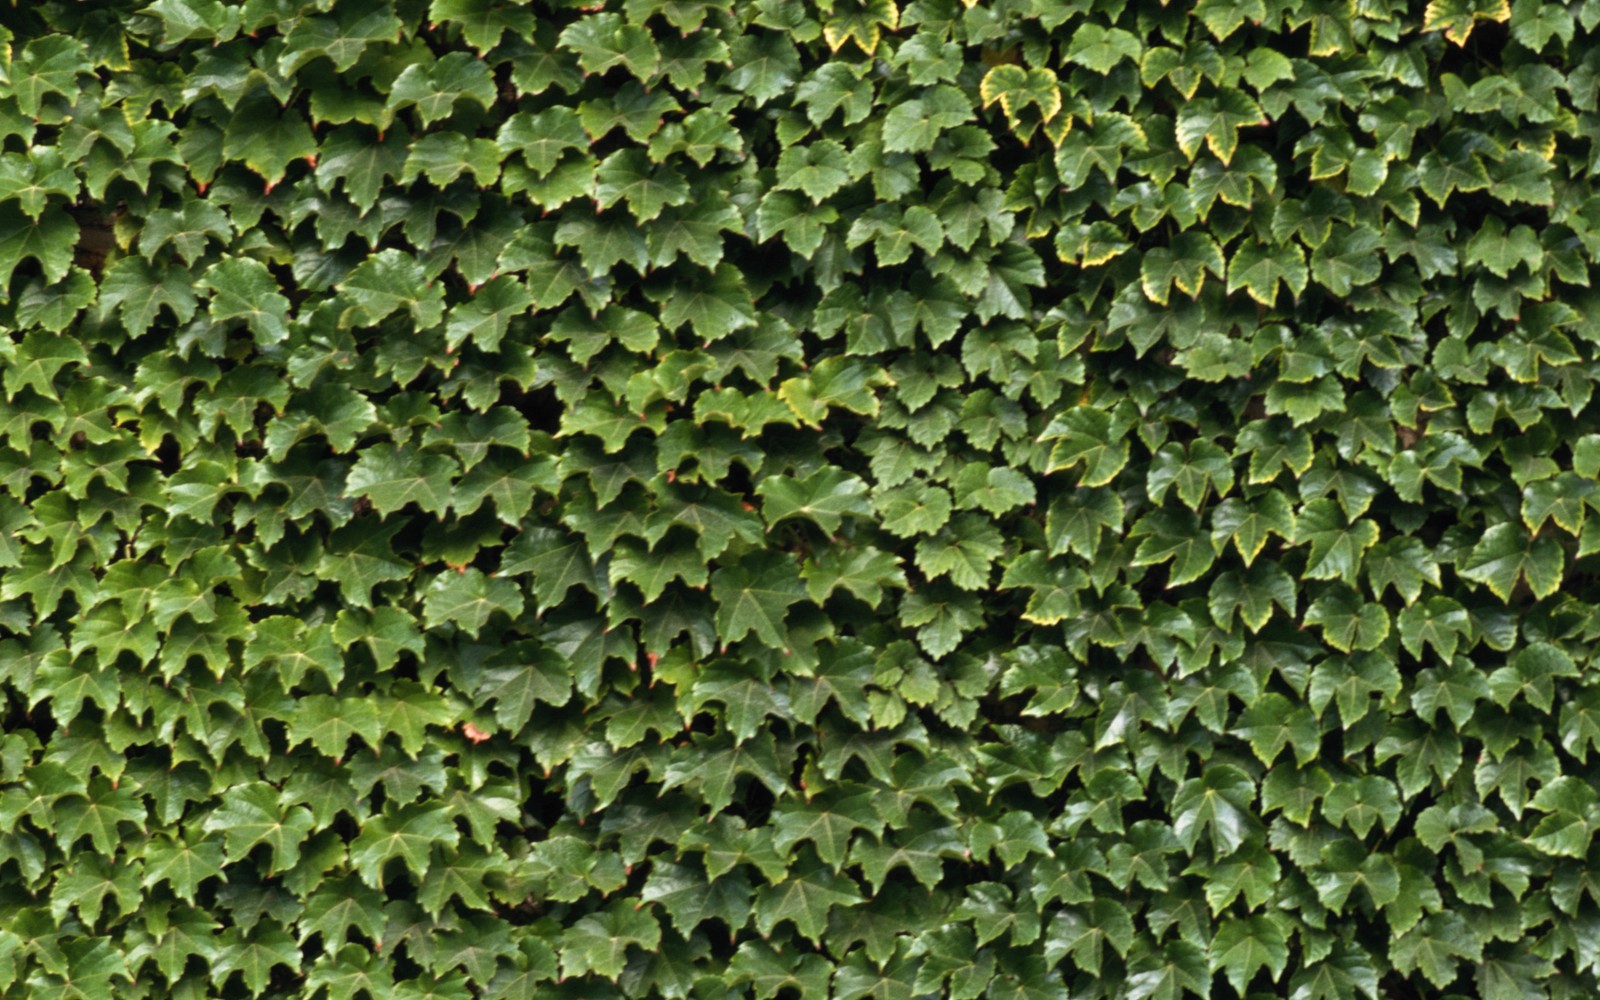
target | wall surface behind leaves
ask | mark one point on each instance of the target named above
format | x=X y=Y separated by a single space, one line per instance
x=799 y=498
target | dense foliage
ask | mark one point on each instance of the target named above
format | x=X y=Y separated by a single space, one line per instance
x=1004 y=498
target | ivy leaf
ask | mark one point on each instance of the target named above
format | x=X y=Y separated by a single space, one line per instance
x=627 y=175
x=408 y=833
x=468 y=599
x=1016 y=87
x=1456 y=18
x=1507 y=553
x=1363 y=803
x=1260 y=268
x=341 y=906
x=1433 y=947
x=343 y=38
x=1530 y=675
x=251 y=814
x=914 y=125
x=1272 y=723
x=1534 y=24
x=1243 y=947
x=1101 y=49
x=364 y=163
x=826 y=497
x=1500 y=250
x=1337 y=546
x=1173 y=535
x=1564 y=500
x=1086 y=436
x=1347 y=622
x=714 y=305
x=267 y=138
x=1404 y=564
x=486 y=318
x=1218 y=805
x=1345 y=867
x=49 y=239
x=392 y=477
x=1347 y=972
x=602 y=41
x=46 y=65
x=1084 y=935
x=483 y=22
x=1184 y=264
x=189 y=230
x=1216 y=121
x=1347 y=259
x=1077 y=520
x=435 y=88
x=388 y=281
x=754 y=596
x=1252 y=594
x=1456 y=688
x=864 y=572
x=805 y=898
x=242 y=288
x=328 y=723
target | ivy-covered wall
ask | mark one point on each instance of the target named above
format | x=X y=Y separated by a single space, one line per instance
x=799 y=498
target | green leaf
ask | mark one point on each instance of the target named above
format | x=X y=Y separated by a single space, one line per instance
x=1433 y=947
x=392 y=477
x=46 y=65
x=343 y=38
x=267 y=139
x=1243 y=947
x=805 y=898
x=250 y=815
x=363 y=163
x=1347 y=259
x=1404 y=564
x=328 y=723
x=1086 y=436
x=242 y=288
x=1252 y=594
x=48 y=239
x=754 y=596
x=1507 y=553
x=1183 y=264
x=1173 y=535
x=1260 y=268
x=627 y=175
x=1342 y=976
x=1363 y=803
x=602 y=41
x=1347 y=622
x=408 y=833
x=483 y=22
x=1101 y=49
x=1016 y=87
x=1272 y=723
x=386 y=282
x=1082 y=936
x=1501 y=250
x=1216 y=121
x=1336 y=545
x=1077 y=520
x=1218 y=805
x=435 y=88
x=913 y=126
x=826 y=497
x=468 y=598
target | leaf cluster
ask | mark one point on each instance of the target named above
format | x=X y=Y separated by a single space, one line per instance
x=799 y=498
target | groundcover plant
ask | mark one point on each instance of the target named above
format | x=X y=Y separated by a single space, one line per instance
x=799 y=498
